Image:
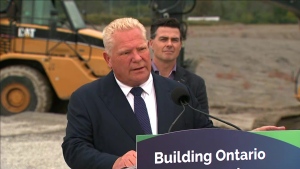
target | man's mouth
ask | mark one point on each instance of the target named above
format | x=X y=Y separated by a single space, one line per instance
x=140 y=68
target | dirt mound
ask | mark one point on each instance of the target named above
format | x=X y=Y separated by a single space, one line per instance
x=250 y=67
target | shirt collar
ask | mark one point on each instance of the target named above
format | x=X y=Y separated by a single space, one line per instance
x=172 y=73
x=154 y=68
x=147 y=86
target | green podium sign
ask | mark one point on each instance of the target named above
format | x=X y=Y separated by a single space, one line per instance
x=220 y=149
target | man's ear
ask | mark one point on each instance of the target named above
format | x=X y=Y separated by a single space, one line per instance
x=150 y=43
x=107 y=59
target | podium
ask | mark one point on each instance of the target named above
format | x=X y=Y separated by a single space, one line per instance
x=219 y=149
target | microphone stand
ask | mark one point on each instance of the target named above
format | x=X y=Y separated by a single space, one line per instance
x=232 y=125
x=176 y=119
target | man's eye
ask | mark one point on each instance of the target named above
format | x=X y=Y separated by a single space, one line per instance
x=175 y=40
x=125 y=53
x=142 y=49
x=164 y=39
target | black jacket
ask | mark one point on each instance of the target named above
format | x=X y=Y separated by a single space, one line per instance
x=102 y=126
x=196 y=85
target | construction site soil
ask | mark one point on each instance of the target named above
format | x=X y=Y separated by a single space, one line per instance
x=249 y=71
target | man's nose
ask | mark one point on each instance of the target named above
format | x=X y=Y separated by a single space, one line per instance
x=169 y=42
x=136 y=56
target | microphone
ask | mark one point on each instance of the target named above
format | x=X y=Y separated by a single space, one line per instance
x=181 y=97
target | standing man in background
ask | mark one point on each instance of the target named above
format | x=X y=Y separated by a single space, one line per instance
x=166 y=42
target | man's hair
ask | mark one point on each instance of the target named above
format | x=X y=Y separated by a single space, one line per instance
x=164 y=22
x=120 y=24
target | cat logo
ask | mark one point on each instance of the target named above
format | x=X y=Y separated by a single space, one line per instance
x=26 y=32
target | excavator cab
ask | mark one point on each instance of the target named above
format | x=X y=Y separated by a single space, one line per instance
x=65 y=12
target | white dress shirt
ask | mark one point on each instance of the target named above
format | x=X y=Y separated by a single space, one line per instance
x=149 y=97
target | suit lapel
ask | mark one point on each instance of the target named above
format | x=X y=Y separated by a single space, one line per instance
x=119 y=107
x=165 y=108
x=116 y=102
x=180 y=75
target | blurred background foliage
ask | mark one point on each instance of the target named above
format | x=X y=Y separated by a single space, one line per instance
x=101 y=12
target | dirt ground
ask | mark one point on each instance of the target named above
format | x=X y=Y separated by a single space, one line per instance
x=249 y=78
x=249 y=71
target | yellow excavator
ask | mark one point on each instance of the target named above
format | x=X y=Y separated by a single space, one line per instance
x=46 y=52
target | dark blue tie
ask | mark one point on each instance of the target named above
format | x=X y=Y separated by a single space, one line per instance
x=140 y=110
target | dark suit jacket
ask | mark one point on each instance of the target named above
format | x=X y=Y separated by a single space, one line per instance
x=195 y=83
x=102 y=126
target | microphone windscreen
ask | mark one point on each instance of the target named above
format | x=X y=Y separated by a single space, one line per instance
x=179 y=95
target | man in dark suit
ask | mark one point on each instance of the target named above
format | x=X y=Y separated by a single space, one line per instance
x=165 y=42
x=102 y=125
x=103 y=117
